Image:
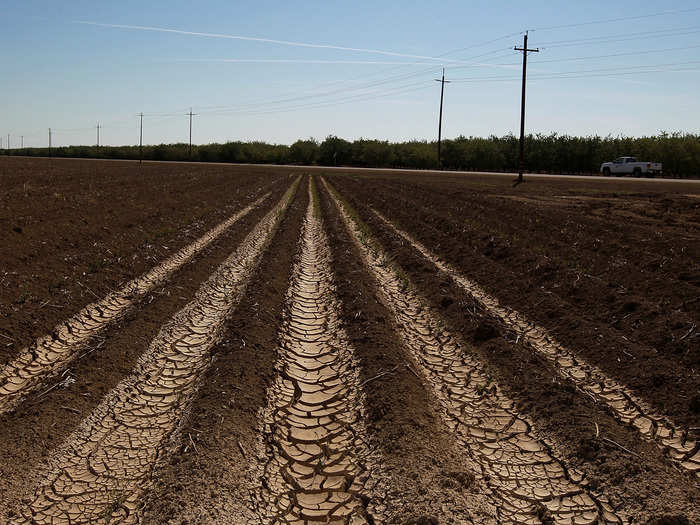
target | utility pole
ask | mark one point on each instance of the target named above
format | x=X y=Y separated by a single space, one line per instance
x=191 y=115
x=22 y=141
x=50 y=155
x=141 y=138
x=442 y=93
x=98 y=134
x=525 y=51
x=8 y=143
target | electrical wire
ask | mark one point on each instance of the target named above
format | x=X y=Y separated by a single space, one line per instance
x=357 y=92
x=589 y=73
x=538 y=60
x=647 y=66
x=619 y=19
x=603 y=40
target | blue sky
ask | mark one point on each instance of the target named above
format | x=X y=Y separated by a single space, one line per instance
x=67 y=75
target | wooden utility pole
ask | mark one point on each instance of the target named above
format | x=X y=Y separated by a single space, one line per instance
x=141 y=138
x=521 y=162
x=442 y=93
x=191 y=115
x=98 y=134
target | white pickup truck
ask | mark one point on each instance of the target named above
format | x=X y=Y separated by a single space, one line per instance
x=630 y=166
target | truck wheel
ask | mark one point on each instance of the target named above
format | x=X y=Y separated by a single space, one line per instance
x=606 y=172
x=637 y=172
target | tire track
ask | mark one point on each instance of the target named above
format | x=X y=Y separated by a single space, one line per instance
x=103 y=469
x=314 y=462
x=50 y=354
x=676 y=443
x=526 y=481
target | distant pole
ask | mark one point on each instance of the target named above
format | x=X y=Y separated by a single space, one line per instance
x=98 y=134
x=8 y=143
x=50 y=155
x=442 y=93
x=191 y=115
x=141 y=138
x=22 y=141
x=521 y=162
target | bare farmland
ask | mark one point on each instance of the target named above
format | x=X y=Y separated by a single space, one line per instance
x=213 y=344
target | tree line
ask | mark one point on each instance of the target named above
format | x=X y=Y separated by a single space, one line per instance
x=553 y=153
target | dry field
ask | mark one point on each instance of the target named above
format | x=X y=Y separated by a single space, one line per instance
x=210 y=344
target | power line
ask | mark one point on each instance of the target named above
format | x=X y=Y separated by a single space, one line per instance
x=359 y=96
x=619 y=19
x=576 y=76
x=389 y=80
x=630 y=69
x=356 y=94
x=621 y=73
x=673 y=30
x=603 y=40
x=374 y=83
x=613 y=55
x=415 y=86
x=382 y=81
x=315 y=96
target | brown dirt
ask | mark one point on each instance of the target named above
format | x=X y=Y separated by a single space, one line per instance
x=435 y=485
x=598 y=284
x=49 y=419
x=557 y=408
x=208 y=484
x=610 y=267
x=101 y=473
x=73 y=230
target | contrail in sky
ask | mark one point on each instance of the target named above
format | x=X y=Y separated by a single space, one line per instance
x=267 y=40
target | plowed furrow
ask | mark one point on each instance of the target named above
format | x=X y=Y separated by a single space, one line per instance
x=100 y=473
x=315 y=464
x=623 y=403
x=526 y=481
x=50 y=354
